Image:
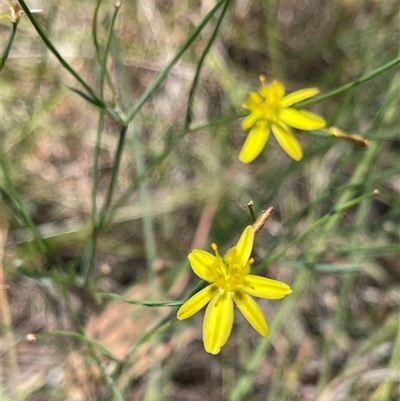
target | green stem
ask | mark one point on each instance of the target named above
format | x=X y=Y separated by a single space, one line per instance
x=88 y=261
x=9 y=42
x=131 y=114
x=103 y=75
x=200 y=63
x=117 y=163
x=353 y=84
x=96 y=154
x=81 y=337
x=95 y=29
x=218 y=121
x=103 y=66
x=156 y=304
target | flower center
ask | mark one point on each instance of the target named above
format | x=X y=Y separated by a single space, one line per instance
x=230 y=270
x=270 y=111
x=270 y=104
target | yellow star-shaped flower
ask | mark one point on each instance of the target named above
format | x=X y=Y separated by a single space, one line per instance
x=270 y=110
x=230 y=284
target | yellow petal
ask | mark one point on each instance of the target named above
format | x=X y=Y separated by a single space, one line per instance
x=202 y=264
x=287 y=141
x=251 y=312
x=245 y=245
x=301 y=119
x=298 y=96
x=263 y=287
x=218 y=322
x=278 y=88
x=251 y=119
x=273 y=92
x=255 y=142
x=253 y=100
x=196 y=302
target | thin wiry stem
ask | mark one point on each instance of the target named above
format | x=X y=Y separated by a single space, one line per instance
x=9 y=42
x=350 y=85
x=90 y=250
x=200 y=63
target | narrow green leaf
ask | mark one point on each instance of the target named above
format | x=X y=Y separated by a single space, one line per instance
x=138 y=301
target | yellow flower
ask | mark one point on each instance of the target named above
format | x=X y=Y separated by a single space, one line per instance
x=230 y=283
x=270 y=109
